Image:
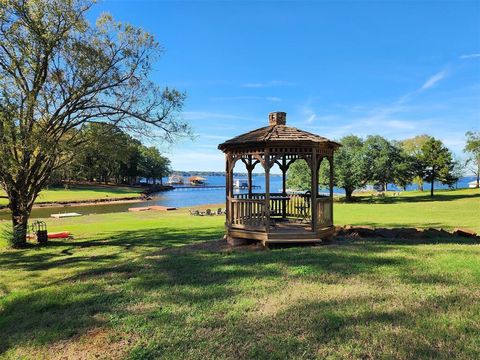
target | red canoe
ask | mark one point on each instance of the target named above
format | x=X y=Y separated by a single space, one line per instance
x=59 y=235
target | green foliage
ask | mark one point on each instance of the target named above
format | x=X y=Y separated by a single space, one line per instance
x=349 y=165
x=472 y=147
x=412 y=150
x=109 y=154
x=437 y=163
x=385 y=162
x=6 y=234
x=152 y=164
x=57 y=74
x=299 y=176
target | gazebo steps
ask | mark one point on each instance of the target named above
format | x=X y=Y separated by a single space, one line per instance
x=292 y=236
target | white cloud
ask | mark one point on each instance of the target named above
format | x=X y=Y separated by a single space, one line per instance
x=263 y=98
x=470 y=56
x=400 y=124
x=203 y=115
x=311 y=118
x=267 y=84
x=212 y=137
x=433 y=80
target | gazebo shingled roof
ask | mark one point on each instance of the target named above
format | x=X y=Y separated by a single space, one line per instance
x=276 y=132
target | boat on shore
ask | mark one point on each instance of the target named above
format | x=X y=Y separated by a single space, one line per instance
x=65 y=215
x=240 y=183
x=472 y=184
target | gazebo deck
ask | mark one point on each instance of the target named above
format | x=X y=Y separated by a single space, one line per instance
x=288 y=231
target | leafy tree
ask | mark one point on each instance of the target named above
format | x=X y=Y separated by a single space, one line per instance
x=57 y=73
x=299 y=176
x=153 y=165
x=349 y=170
x=472 y=147
x=413 y=148
x=383 y=161
x=404 y=170
x=457 y=171
x=436 y=162
x=129 y=170
x=103 y=149
x=349 y=165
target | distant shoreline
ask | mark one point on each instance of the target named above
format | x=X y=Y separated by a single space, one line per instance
x=124 y=200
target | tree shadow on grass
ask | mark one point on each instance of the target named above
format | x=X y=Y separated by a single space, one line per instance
x=71 y=306
x=162 y=276
x=344 y=328
x=62 y=252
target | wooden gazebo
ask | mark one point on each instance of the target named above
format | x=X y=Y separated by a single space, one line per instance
x=277 y=217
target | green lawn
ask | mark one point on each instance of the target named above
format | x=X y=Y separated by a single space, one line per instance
x=448 y=209
x=145 y=286
x=83 y=192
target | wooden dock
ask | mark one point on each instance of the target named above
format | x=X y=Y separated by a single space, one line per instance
x=199 y=187
x=206 y=187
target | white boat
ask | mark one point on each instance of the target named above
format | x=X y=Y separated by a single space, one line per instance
x=240 y=183
x=65 y=215
x=472 y=184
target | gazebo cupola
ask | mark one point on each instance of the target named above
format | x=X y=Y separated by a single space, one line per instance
x=278 y=216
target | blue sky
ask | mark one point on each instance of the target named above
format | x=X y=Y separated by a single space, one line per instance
x=397 y=69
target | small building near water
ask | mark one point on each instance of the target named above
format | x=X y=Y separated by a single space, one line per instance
x=175 y=180
x=197 y=180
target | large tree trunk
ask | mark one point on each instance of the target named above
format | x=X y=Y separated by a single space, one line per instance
x=20 y=214
x=432 y=183
x=348 y=194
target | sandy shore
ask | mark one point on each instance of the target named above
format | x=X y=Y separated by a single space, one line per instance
x=126 y=200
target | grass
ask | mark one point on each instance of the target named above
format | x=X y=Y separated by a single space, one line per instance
x=82 y=193
x=448 y=209
x=141 y=286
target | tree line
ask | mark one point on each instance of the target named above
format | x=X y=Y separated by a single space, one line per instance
x=60 y=72
x=108 y=154
x=376 y=160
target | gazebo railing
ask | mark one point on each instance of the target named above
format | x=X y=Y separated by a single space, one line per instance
x=298 y=206
x=294 y=206
x=324 y=211
x=248 y=214
x=251 y=213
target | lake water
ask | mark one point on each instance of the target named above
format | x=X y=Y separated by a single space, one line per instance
x=194 y=197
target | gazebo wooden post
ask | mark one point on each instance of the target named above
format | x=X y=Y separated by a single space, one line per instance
x=229 y=188
x=330 y=161
x=284 y=186
x=314 y=189
x=249 y=171
x=267 y=189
